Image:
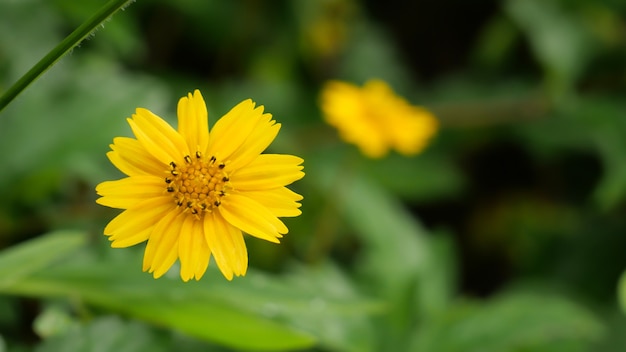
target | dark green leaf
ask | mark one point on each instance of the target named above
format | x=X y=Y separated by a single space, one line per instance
x=22 y=260
x=511 y=322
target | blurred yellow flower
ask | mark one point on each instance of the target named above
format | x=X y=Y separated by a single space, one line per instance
x=375 y=119
x=191 y=193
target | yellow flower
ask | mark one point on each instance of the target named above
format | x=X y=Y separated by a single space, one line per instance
x=191 y=193
x=375 y=119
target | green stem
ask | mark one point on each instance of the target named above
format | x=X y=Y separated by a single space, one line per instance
x=66 y=45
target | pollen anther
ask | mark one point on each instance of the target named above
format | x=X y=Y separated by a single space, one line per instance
x=199 y=184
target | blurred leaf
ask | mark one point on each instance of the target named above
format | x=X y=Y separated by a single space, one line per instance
x=341 y=328
x=22 y=260
x=608 y=137
x=511 y=322
x=589 y=123
x=8 y=313
x=65 y=129
x=371 y=54
x=558 y=38
x=614 y=320
x=26 y=35
x=256 y=312
x=57 y=126
x=437 y=284
x=112 y=334
x=184 y=307
x=496 y=42
x=106 y=334
x=621 y=296
x=397 y=260
x=396 y=251
x=605 y=20
x=52 y=321
x=423 y=178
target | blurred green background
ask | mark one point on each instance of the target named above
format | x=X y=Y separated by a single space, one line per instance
x=507 y=234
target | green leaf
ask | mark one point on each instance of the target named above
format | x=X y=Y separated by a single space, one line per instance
x=255 y=312
x=591 y=122
x=420 y=179
x=621 y=296
x=511 y=322
x=106 y=334
x=53 y=320
x=341 y=327
x=22 y=260
x=496 y=42
x=559 y=39
x=396 y=252
x=398 y=258
x=371 y=54
x=197 y=308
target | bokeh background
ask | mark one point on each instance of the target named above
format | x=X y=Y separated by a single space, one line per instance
x=506 y=234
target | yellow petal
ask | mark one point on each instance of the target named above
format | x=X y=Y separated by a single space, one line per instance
x=251 y=217
x=227 y=245
x=130 y=225
x=129 y=191
x=232 y=130
x=162 y=249
x=413 y=130
x=130 y=239
x=202 y=265
x=159 y=138
x=214 y=233
x=262 y=135
x=193 y=123
x=280 y=201
x=349 y=109
x=155 y=238
x=240 y=252
x=268 y=171
x=130 y=157
x=193 y=251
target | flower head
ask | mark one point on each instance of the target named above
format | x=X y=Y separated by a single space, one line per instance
x=191 y=193
x=376 y=119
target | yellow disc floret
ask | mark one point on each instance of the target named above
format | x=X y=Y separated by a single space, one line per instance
x=199 y=184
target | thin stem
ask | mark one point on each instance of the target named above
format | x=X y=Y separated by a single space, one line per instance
x=60 y=50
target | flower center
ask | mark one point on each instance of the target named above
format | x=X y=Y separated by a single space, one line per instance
x=199 y=184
